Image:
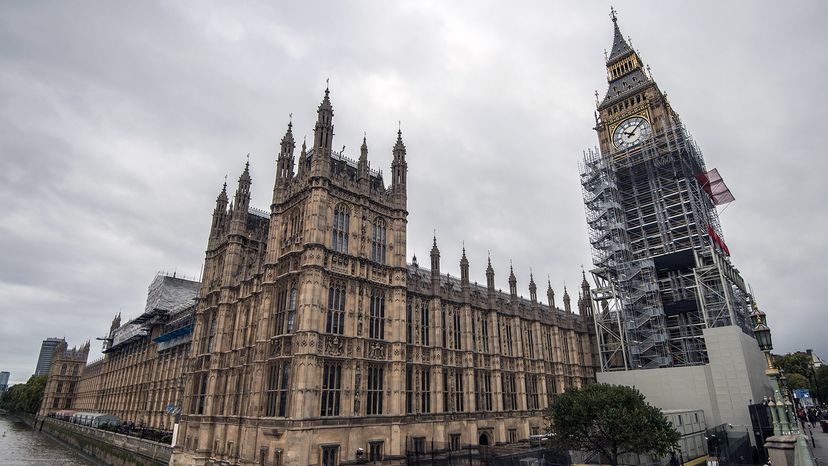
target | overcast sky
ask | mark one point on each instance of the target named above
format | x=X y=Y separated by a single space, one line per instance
x=119 y=121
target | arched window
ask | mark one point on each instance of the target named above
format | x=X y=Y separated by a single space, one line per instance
x=336 y=309
x=291 y=310
x=376 y=321
x=378 y=241
x=341 y=222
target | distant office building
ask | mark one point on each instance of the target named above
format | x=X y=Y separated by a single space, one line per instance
x=4 y=381
x=47 y=353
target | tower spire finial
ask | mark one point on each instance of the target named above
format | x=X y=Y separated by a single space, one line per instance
x=613 y=14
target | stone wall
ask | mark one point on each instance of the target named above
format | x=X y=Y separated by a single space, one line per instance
x=108 y=447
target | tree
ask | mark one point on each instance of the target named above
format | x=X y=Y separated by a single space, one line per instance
x=24 y=398
x=611 y=420
x=794 y=363
x=822 y=383
x=797 y=381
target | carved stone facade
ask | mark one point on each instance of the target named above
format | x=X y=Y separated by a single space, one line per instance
x=64 y=373
x=140 y=375
x=314 y=339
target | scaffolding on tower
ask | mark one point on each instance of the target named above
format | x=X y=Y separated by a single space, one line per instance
x=662 y=271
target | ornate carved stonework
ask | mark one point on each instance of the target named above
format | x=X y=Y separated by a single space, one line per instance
x=334 y=346
x=376 y=350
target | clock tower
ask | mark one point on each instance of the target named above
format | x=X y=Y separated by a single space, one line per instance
x=662 y=268
x=633 y=108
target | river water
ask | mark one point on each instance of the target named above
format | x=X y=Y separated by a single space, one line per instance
x=22 y=446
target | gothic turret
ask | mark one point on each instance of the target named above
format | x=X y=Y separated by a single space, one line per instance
x=399 y=169
x=302 y=167
x=490 y=281
x=435 y=265
x=533 y=290
x=241 y=202
x=323 y=133
x=585 y=308
x=285 y=161
x=464 y=270
x=550 y=295
x=464 y=277
x=567 y=304
x=362 y=165
x=219 y=216
x=513 y=284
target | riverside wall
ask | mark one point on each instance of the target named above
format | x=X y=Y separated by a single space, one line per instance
x=106 y=447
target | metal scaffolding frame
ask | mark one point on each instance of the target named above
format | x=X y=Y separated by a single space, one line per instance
x=660 y=278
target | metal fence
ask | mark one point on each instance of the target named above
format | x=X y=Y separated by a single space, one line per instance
x=421 y=453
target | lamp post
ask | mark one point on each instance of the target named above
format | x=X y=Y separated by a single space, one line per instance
x=783 y=422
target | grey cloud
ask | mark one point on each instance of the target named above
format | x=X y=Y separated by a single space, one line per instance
x=118 y=122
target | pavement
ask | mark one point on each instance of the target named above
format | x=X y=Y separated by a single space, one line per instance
x=819 y=445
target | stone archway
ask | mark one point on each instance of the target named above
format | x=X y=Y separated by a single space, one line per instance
x=484 y=439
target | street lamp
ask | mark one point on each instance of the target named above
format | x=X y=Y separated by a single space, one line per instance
x=782 y=421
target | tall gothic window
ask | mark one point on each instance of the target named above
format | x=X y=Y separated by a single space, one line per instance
x=341 y=222
x=446 y=393
x=551 y=390
x=375 y=384
x=565 y=348
x=280 y=307
x=376 y=319
x=336 y=309
x=277 y=389
x=530 y=341
x=509 y=351
x=418 y=389
x=456 y=331
x=331 y=388
x=291 y=309
x=484 y=333
x=409 y=323
x=378 y=242
x=425 y=330
x=211 y=333
x=200 y=394
x=509 y=391
x=443 y=325
x=531 y=383
x=459 y=393
x=474 y=332
x=482 y=390
x=409 y=389
x=425 y=390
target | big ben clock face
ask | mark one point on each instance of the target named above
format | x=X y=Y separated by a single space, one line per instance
x=631 y=132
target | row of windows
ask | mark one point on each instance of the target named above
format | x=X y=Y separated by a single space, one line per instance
x=418 y=330
x=417 y=389
x=622 y=68
x=627 y=103
x=340 y=234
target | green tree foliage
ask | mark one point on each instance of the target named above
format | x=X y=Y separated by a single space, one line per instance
x=24 y=398
x=797 y=381
x=822 y=383
x=611 y=420
x=794 y=363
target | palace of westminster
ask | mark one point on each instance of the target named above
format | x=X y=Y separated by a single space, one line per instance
x=311 y=340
